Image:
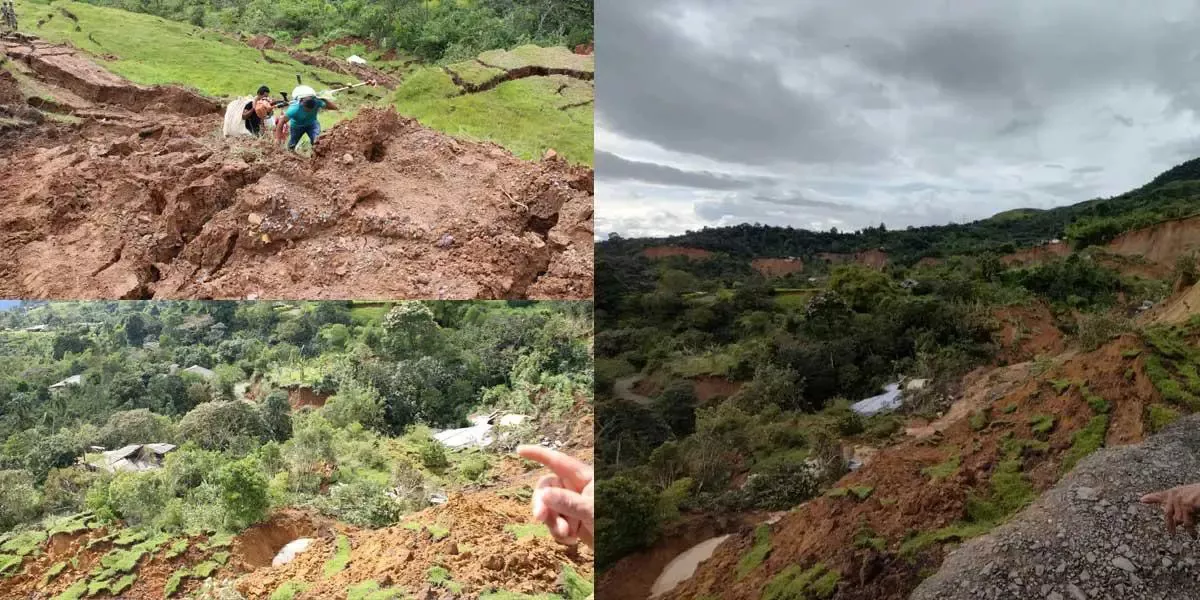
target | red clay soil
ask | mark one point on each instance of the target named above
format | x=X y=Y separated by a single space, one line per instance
x=586 y=49
x=876 y=259
x=904 y=500
x=137 y=207
x=478 y=552
x=665 y=251
x=257 y=546
x=929 y=261
x=1036 y=255
x=1161 y=243
x=777 y=267
x=707 y=389
x=1027 y=332
x=300 y=396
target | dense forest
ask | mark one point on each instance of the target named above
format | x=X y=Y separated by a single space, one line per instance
x=219 y=380
x=722 y=390
x=430 y=30
x=1171 y=195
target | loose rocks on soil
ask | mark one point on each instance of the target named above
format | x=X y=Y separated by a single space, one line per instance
x=1088 y=537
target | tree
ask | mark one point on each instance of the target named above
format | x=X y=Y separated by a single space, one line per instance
x=138 y=498
x=626 y=520
x=410 y=330
x=49 y=452
x=677 y=405
x=277 y=414
x=67 y=342
x=355 y=403
x=243 y=493
x=219 y=425
x=135 y=329
x=862 y=287
x=136 y=427
x=65 y=489
x=19 y=498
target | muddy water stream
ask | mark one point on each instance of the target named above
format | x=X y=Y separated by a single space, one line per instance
x=684 y=566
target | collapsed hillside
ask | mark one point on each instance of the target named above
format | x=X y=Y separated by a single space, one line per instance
x=1011 y=434
x=135 y=196
x=480 y=539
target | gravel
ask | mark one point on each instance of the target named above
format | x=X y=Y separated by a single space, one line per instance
x=1088 y=537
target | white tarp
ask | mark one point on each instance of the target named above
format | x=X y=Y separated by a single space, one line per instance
x=356 y=59
x=290 y=551
x=479 y=435
x=234 y=124
x=888 y=400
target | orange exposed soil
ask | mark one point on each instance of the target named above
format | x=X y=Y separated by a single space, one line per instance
x=709 y=388
x=1037 y=254
x=478 y=552
x=929 y=261
x=1027 y=332
x=777 y=267
x=665 y=251
x=1161 y=243
x=304 y=396
x=128 y=206
x=876 y=259
x=906 y=500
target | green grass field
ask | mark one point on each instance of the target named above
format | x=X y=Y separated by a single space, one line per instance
x=526 y=116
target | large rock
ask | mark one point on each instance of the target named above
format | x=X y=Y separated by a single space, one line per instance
x=1088 y=537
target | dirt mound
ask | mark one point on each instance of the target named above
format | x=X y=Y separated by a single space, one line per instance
x=1037 y=254
x=665 y=251
x=873 y=542
x=357 y=71
x=876 y=259
x=261 y=42
x=1161 y=243
x=929 y=261
x=777 y=267
x=479 y=551
x=1088 y=537
x=586 y=49
x=126 y=207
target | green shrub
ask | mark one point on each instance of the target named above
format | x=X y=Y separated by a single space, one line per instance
x=1086 y=440
x=222 y=425
x=1159 y=416
x=363 y=503
x=1041 y=425
x=20 y=501
x=243 y=493
x=138 y=497
x=626 y=520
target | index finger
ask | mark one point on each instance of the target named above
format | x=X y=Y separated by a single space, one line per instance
x=1155 y=498
x=574 y=473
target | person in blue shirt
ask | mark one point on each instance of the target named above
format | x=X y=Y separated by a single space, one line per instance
x=302 y=119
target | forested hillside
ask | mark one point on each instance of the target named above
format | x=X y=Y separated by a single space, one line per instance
x=990 y=358
x=1171 y=195
x=431 y=30
x=326 y=408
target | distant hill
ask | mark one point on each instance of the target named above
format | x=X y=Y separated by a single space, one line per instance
x=1171 y=195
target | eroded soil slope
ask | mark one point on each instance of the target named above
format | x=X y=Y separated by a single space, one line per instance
x=142 y=198
x=1015 y=436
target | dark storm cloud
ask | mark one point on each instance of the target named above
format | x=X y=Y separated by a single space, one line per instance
x=917 y=112
x=616 y=168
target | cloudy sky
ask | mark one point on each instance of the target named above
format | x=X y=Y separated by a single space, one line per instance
x=822 y=114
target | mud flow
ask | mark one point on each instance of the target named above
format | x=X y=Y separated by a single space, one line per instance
x=116 y=190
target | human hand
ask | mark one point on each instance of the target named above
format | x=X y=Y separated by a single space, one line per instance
x=1179 y=506
x=565 y=501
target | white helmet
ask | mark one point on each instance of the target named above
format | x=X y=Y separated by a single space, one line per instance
x=303 y=91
